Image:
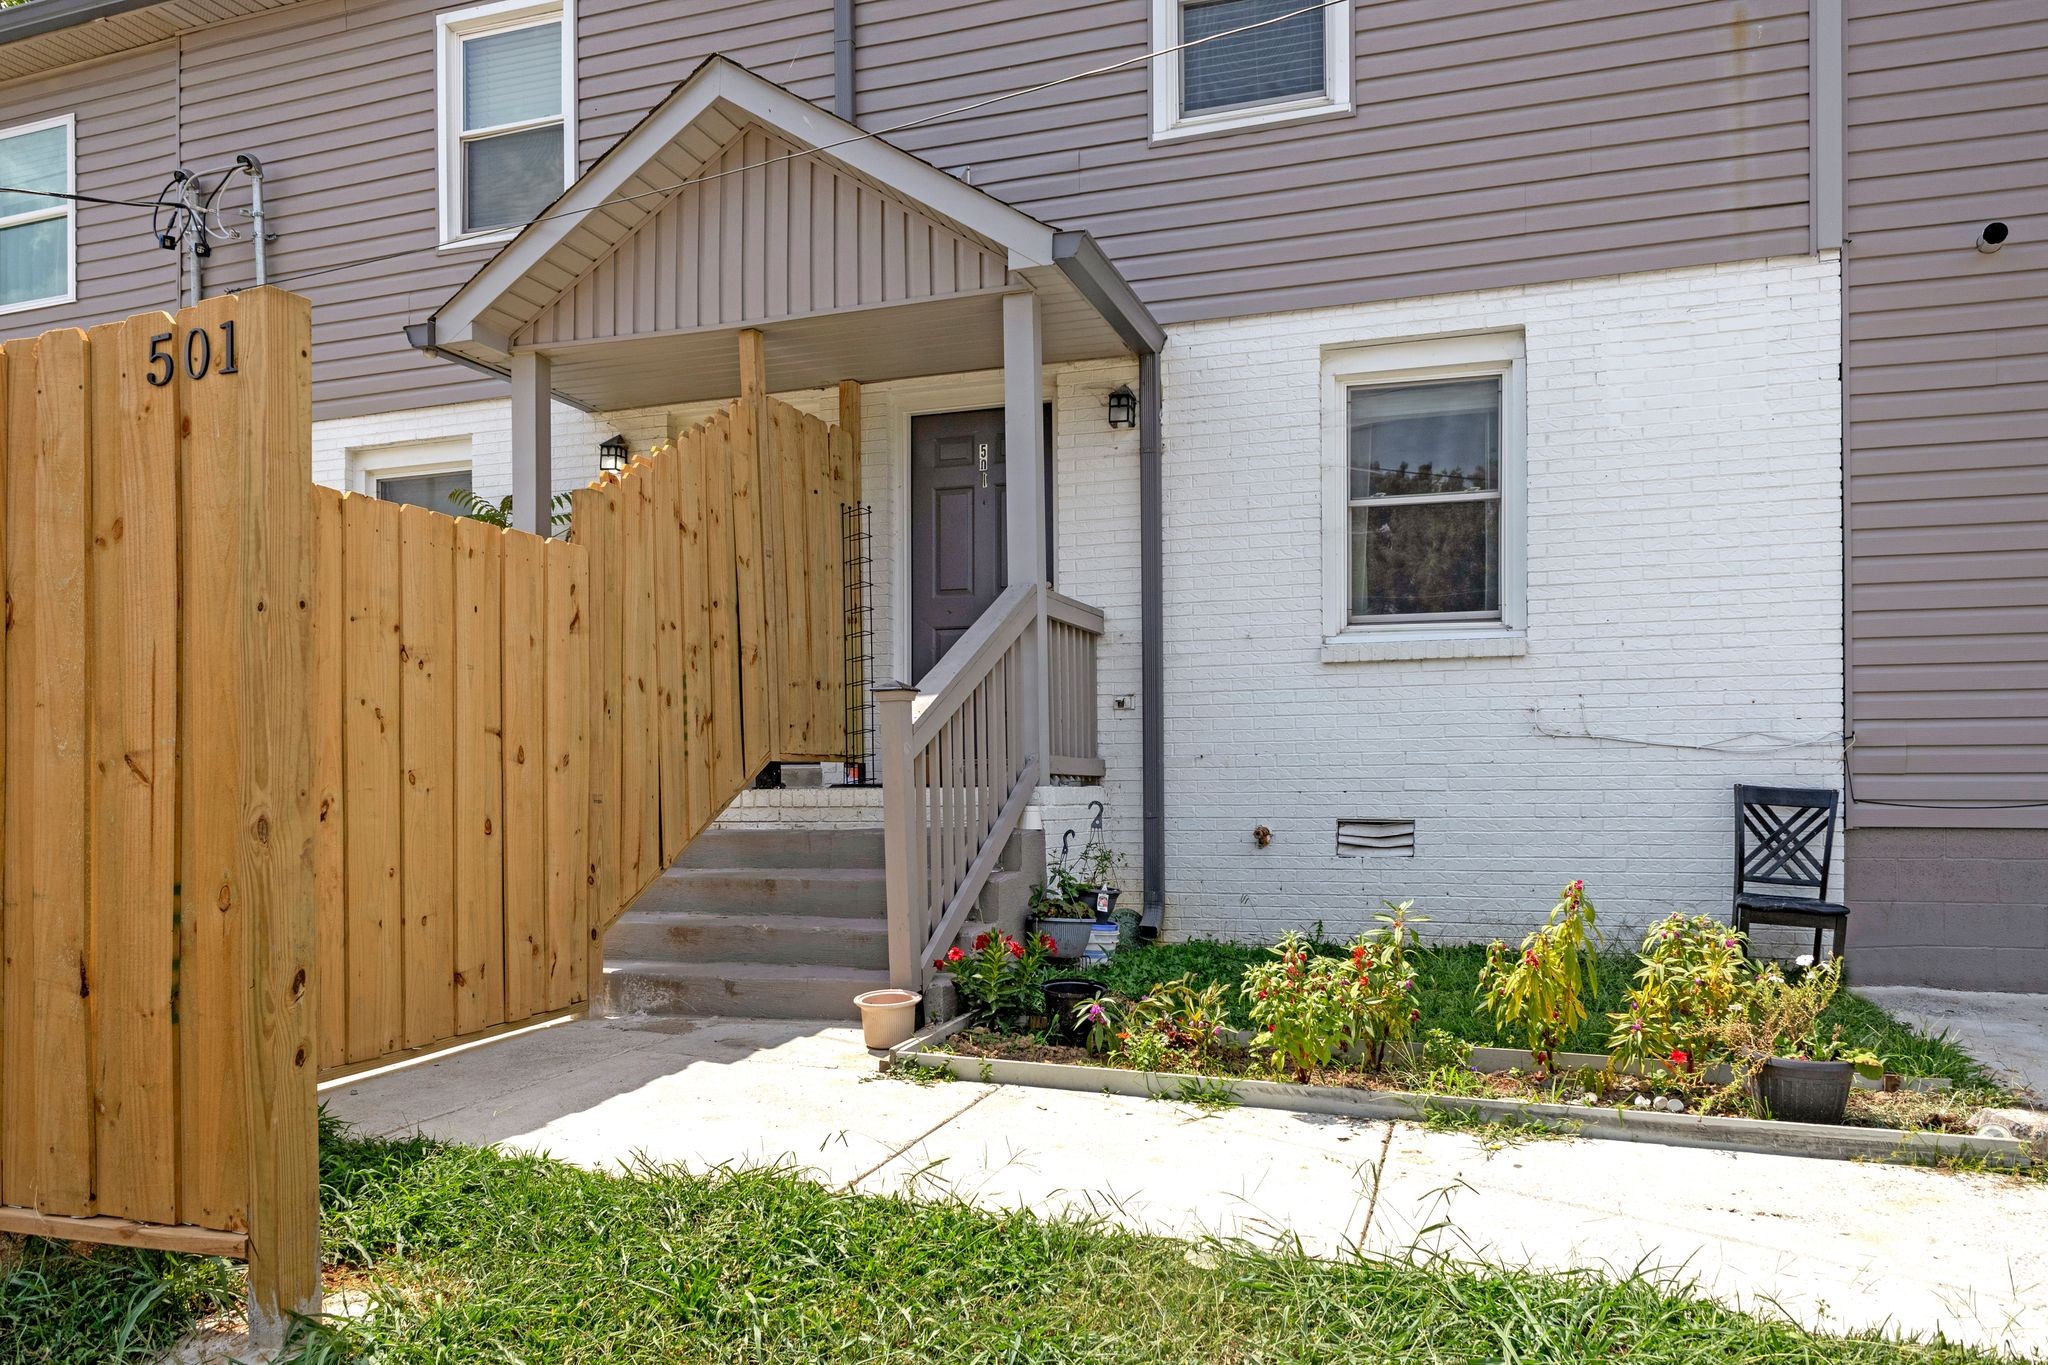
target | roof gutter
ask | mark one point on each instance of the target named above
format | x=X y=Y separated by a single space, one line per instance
x=1082 y=261
x=38 y=17
x=420 y=336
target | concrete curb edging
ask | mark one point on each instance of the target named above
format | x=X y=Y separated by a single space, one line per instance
x=1624 y=1125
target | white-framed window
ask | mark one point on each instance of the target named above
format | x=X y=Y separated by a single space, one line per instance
x=38 y=235
x=1243 y=71
x=508 y=115
x=1424 y=490
x=421 y=473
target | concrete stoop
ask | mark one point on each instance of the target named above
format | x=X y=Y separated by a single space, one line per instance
x=777 y=922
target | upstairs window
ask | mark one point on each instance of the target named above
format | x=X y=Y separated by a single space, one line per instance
x=37 y=234
x=1245 y=63
x=507 y=95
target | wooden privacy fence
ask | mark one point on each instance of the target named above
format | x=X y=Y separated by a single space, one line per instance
x=450 y=686
x=156 y=929
x=292 y=780
x=717 y=591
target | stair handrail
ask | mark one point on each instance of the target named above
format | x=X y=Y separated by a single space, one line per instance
x=961 y=757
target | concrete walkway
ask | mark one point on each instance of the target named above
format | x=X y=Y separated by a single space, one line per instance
x=1835 y=1245
x=2008 y=1033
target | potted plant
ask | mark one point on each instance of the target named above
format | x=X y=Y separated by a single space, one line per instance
x=1100 y=867
x=1060 y=913
x=1793 y=1068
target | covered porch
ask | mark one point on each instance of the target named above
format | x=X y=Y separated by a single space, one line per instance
x=740 y=242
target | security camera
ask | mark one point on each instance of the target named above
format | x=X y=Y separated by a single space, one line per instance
x=1992 y=237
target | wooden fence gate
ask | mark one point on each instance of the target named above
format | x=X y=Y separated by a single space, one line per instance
x=294 y=781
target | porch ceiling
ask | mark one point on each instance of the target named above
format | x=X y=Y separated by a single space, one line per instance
x=735 y=205
x=938 y=336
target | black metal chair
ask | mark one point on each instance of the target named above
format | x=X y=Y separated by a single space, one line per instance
x=1785 y=836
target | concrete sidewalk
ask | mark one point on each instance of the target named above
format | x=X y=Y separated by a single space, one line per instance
x=1833 y=1244
x=2007 y=1032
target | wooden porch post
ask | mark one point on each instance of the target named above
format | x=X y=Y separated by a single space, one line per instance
x=902 y=835
x=532 y=448
x=1026 y=495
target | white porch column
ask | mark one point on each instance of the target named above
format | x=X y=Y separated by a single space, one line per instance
x=1024 y=437
x=1026 y=496
x=533 y=482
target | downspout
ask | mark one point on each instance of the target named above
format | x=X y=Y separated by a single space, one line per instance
x=1151 y=644
x=842 y=59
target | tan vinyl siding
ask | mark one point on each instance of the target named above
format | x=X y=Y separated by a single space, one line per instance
x=127 y=143
x=768 y=235
x=1948 y=410
x=1495 y=142
x=338 y=101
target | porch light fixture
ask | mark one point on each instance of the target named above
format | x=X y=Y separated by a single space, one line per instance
x=611 y=455
x=1123 y=407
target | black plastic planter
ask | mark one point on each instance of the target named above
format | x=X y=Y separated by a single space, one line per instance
x=1102 y=900
x=1061 y=999
x=1794 y=1090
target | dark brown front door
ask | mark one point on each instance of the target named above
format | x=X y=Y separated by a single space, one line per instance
x=957 y=550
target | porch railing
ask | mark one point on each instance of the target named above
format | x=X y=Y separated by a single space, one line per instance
x=1072 y=630
x=962 y=751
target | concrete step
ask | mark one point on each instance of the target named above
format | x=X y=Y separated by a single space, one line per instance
x=849 y=847
x=747 y=990
x=840 y=892
x=787 y=939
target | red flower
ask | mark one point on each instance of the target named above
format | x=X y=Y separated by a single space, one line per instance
x=1680 y=1058
x=980 y=942
x=1016 y=948
x=953 y=954
x=1045 y=942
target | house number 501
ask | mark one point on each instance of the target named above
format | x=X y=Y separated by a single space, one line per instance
x=199 y=356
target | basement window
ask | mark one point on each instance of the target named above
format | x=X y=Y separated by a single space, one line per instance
x=38 y=238
x=1233 y=64
x=507 y=112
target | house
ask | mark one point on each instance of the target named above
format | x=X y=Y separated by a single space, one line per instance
x=1486 y=431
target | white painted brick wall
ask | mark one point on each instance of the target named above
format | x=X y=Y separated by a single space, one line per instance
x=1684 y=586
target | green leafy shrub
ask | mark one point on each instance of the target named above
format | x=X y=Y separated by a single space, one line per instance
x=1305 y=1006
x=1778 y=1017
x=1540 y=992
x=1173 y=1024
x=1692 y=972
x=1387 y=1003
x=477 y=507
x=999 y=981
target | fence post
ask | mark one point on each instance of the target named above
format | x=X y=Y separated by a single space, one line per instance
x=902 y=833
x=275 y=428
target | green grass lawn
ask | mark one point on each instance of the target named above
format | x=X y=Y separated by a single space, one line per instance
x=474 y=1256
x=1447 y=978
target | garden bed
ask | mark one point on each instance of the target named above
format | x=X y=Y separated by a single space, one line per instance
x=1016 y=1059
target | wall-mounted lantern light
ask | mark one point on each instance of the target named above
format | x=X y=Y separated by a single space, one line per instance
x=611 y=455
x=1123 y=407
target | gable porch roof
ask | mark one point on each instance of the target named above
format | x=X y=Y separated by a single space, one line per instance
x=734 y=204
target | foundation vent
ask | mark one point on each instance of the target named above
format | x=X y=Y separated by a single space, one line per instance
x=1375 y=838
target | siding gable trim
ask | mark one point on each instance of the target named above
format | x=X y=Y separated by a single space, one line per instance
x=672 y=144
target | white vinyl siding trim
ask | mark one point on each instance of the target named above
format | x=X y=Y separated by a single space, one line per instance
x=1350 y=640
x=51 y=210
x=1170 y=122
x=451 y=34
x=368 y=465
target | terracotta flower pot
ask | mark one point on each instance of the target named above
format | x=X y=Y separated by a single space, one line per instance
x=887 y=1017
